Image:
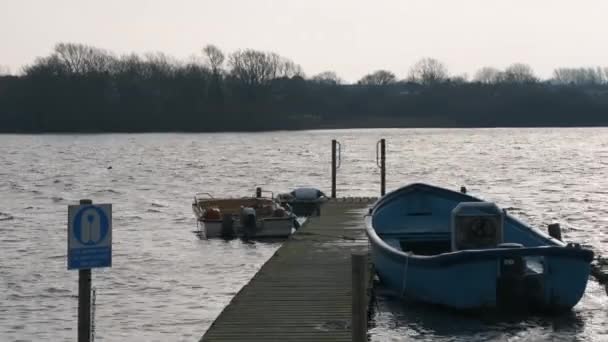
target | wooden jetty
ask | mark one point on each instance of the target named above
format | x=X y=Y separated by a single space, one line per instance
x=304 y=291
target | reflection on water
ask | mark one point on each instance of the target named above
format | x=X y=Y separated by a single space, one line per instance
x=394 y=319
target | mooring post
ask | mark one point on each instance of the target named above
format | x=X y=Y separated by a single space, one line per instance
x=84 y=299
x=382 y=167
x=333 y=167
x=258 y=192
x=555 y=231
x=359 y=297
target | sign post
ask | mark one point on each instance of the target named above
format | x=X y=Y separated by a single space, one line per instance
x=89 y=246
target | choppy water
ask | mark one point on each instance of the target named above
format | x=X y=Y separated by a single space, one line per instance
x=167 y=285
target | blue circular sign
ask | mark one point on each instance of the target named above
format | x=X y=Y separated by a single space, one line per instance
x=86 y=221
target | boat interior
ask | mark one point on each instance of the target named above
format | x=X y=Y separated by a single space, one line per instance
x=263 y=206
x=426 y=222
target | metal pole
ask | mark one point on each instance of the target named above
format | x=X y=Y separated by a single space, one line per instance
x=333 y=168
x=359 y=297
x=84 y=299
x=382 y=167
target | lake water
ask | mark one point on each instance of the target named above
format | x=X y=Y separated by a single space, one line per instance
x=168 y=285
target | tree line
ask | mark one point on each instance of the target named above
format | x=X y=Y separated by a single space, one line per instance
x=80 y=88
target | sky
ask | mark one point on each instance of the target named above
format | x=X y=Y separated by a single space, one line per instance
x=349 y=37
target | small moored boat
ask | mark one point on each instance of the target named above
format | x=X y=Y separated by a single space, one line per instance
x=440 y=246
x=258 y=217
x=303 y=201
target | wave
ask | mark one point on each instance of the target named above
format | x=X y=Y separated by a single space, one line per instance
x=107 y=191
x=6 y=217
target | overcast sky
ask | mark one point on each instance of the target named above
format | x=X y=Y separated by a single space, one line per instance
x=347 y=36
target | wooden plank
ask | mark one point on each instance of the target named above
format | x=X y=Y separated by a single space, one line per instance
x=303 y=292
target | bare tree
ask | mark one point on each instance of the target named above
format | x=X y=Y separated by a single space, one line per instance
x=129 y=64
x=428 y=71
x=253 y=67
x=82 y=59
x=215 y=58
x=46 y=66
x=579 y=76
x=488 y=75
x=327 y=78
x=283 y=67
x=159 y=64
x=519 y=73
x=378 y=78
x=290 y=69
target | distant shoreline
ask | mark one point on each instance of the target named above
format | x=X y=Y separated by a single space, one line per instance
x=319 y=128
x=84 y=89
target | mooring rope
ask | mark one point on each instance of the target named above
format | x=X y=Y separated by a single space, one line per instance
x=405 y=267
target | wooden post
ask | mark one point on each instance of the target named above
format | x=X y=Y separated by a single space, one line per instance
x=555 y=231
x=84 y=299
x=382 y=167
x=258 y=192
x=463 y=189
x=333 y=168
x=359 y=297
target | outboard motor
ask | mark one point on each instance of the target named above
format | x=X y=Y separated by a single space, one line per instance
x=510 y=284
x=248 y=222
x=476 y=225
x=227 y=227
x=518 y=287
x=479 y=225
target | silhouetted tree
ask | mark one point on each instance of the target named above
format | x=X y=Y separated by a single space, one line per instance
x=82 y=59
x=48 y=66
x=287 y=68
x=378 y=78
x=215 y=58
x=327 y=78
x=428 y=71
x=519 y=73
x=77 y=88
x=579 y=76
x=488 y=75
x=159 y=64
x=252 y=67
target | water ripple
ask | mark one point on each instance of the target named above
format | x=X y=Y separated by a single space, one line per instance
x=166 y=284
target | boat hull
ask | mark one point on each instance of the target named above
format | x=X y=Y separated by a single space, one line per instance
x=266 y=225
x=475 y=283
x=265 y=228
x=554 y=278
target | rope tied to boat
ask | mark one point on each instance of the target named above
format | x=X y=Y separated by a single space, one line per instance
x=404 y=277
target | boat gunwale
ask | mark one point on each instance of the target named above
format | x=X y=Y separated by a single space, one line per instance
x=554 y=247
x=199 y=206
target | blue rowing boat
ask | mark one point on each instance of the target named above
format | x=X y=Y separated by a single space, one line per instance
x=445 y=247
